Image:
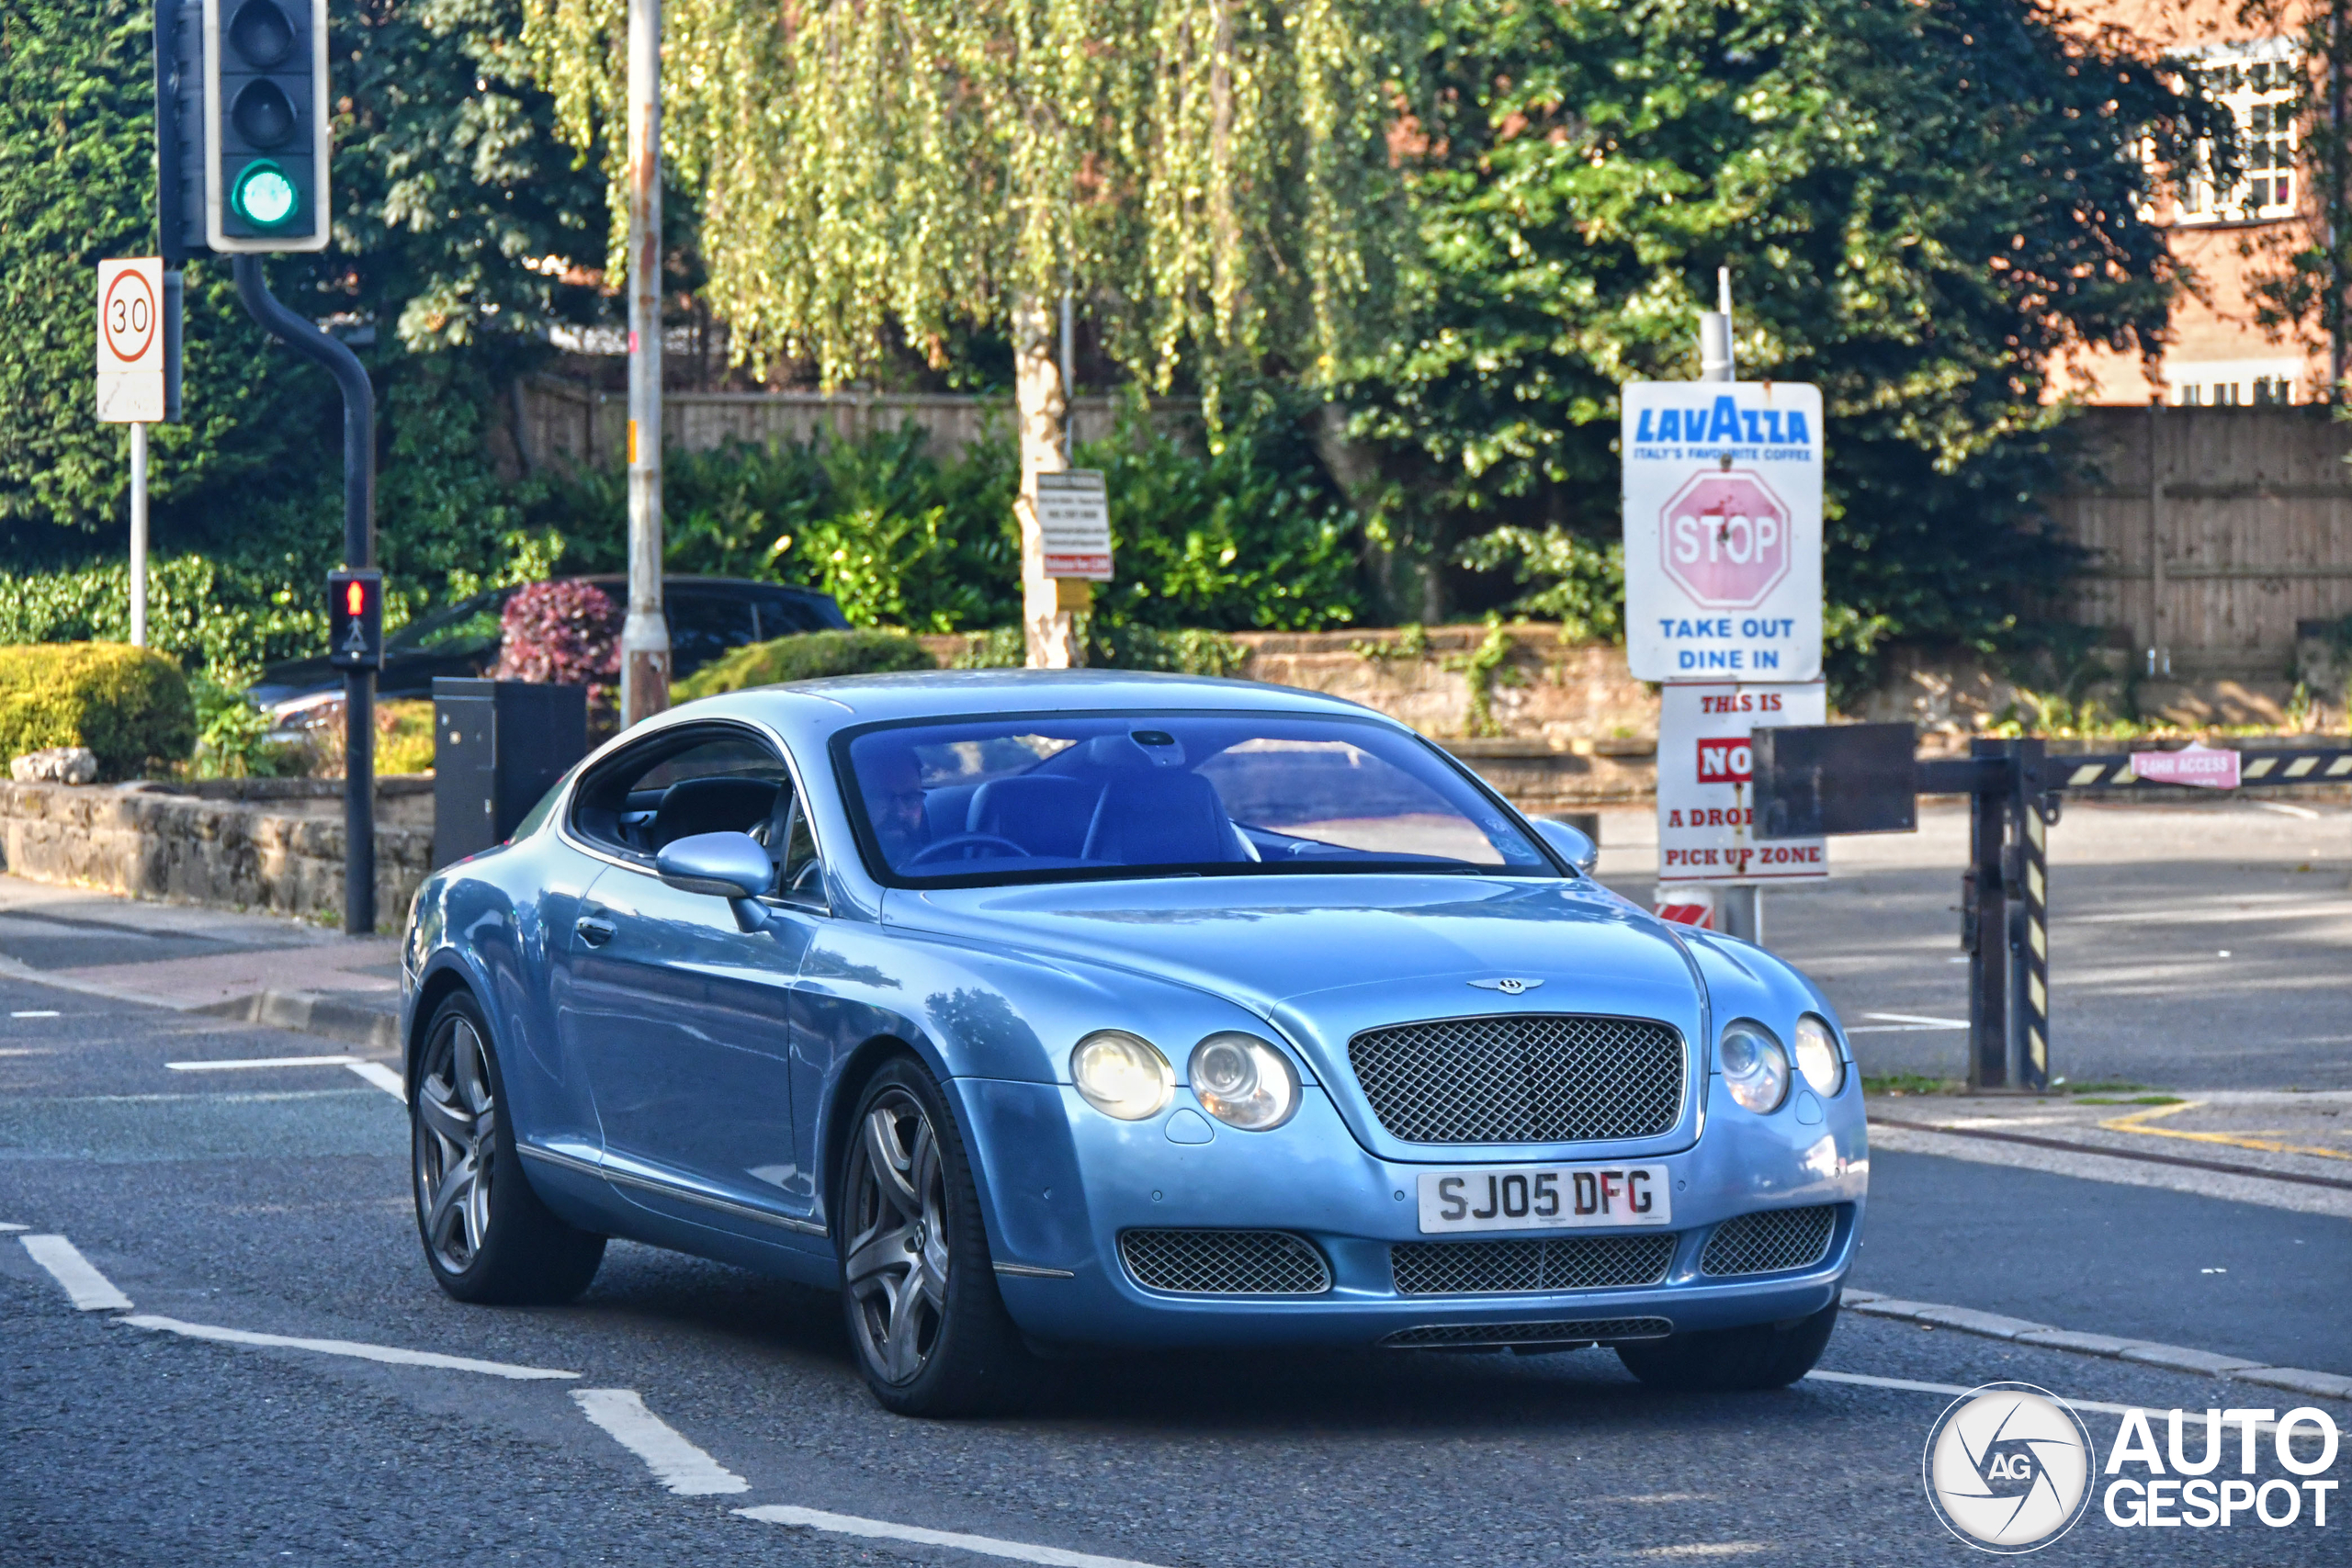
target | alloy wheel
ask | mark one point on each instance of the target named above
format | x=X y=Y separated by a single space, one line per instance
x=457 y=1124
x=897 y=1267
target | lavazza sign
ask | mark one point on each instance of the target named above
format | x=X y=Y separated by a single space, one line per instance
x=1722 y=530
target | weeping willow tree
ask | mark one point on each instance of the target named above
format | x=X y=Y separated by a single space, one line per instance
x=1211 y=177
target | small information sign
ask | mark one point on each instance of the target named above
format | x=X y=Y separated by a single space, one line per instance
x=1722 y=530
x=1074 y=517
x=2196 y=764
x=130 y=341
x=1705 y=806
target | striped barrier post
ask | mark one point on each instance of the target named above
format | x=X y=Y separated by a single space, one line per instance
x=2032 y=811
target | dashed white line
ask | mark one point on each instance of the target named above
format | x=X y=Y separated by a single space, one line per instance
x=243 y=1062
x=6 y=1228
x=91 y=1290
x=390 y=1355
x=675 y=1462
x=878 y=1529
x=35 y=1012
x=383 y=1076
x=1953 y=1390
x=1903 y=1023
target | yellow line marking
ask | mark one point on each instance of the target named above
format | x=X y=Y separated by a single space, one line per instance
x=2341 y=766
x=2134 y=1123
x=2255 y=770
x=2082 y=776
x=2300 y=766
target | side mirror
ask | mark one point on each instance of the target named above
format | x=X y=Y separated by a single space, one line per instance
x=1572 y=843
x=732 y=866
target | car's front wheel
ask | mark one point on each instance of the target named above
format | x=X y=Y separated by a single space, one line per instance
x=487 y=1236
x=1761 y=1355
x=930 y=1330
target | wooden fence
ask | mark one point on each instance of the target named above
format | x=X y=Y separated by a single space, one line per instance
x=2214 y=532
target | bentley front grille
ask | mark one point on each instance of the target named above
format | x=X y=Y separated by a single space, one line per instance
x=1225 y=1263
x=1522 y=1079
x=1769 y=1242
x=1564 y=1263
x=1473 y=1336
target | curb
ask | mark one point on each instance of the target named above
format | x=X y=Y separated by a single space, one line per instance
x=311 y=1012
x=2172 y=1357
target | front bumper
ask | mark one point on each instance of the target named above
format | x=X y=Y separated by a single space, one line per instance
x=1061 y=1182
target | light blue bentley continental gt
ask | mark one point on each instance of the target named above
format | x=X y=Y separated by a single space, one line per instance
x=1040 y=1011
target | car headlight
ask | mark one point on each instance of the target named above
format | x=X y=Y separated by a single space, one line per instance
x=1817 y=1056
x=1244 y=1082
x=1755 y=1068
x=1122 y=1074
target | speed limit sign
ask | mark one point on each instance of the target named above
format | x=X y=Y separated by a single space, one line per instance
x=130 y=341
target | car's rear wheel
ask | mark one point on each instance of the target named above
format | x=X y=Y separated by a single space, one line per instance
x=487 y=1236
x=1762 y=1355
x=929 y=1328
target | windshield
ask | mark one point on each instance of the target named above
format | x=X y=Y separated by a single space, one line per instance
x=1039 y=798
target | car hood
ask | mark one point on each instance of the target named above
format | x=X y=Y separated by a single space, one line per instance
x=1326 y=957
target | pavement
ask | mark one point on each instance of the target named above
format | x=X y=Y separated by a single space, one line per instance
x=219 y=1344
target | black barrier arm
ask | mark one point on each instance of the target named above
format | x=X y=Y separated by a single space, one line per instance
x=305 y=338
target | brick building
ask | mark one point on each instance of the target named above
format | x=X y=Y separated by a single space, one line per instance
x=2220 y=355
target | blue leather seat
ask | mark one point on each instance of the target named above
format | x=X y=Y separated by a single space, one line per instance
x=1161 y=819
x=711 y=806
x=1045 y=816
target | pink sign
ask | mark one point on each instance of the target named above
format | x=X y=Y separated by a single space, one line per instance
x=2201 y=766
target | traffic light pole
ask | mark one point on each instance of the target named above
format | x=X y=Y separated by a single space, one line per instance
x=358 y=551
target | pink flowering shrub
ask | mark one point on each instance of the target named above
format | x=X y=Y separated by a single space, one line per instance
x=565 y=634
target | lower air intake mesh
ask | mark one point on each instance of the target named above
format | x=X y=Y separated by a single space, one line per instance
x=1465 y=1335
x=1566 y=1263
x=1225 y=1263
x=1769 y=1242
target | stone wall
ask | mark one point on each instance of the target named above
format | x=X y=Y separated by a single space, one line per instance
x=281 y=854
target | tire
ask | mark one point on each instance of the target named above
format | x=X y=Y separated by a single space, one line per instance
x=926 y=1322
x=1760 y=1356
x=487 y=1238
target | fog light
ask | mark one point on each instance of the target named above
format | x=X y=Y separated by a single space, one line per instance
x=1244 y=1082
x=1122 y=1074
x=1755 y=1068
x=1817 y=1056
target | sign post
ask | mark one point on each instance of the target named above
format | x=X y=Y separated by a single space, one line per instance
x=131 y=390
x=1723 y=494
x=1074 y=523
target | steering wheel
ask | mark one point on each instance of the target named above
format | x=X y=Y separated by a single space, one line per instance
x=962 y=842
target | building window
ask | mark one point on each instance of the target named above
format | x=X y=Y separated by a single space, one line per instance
x=2191 y=397
x=2273 y=389
x=2261 y=84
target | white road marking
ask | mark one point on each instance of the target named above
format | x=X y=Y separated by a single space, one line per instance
x=2284 y=809
x=675 y=1462
x=29 y=1051
x=8 y=1229
x=383 y=1076
x=388 y=1354
x=261 y=1062
x=877 y=1530
x=91 y=1290
x=35 y=1012
x=1921 y=1020
x=1954 y=1390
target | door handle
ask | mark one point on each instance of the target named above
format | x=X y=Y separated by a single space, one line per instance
x=594 y=932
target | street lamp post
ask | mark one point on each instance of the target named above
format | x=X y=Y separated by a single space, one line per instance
x=645 y=636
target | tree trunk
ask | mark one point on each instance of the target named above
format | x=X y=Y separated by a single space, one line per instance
x=1049 y=610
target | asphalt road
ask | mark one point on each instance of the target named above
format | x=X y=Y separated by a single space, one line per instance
x=273 y=1201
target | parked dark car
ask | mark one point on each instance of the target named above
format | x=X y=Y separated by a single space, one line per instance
x=707 y=616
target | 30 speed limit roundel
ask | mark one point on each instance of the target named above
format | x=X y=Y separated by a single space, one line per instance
x=129 y=319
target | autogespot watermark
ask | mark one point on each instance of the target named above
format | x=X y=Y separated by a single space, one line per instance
x=2010 y=1468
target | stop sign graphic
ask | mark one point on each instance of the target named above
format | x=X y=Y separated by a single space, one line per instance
x=1725 y=540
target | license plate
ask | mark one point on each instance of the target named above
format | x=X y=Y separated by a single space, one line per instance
x=1545 y=1197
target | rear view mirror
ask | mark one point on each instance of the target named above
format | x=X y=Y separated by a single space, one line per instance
x=1570 y=843
x=733 y=866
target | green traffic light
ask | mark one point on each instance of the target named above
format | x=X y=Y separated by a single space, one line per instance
x=263 y=195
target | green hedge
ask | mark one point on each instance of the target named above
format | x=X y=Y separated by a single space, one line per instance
x=128 y=704
x=805 y=656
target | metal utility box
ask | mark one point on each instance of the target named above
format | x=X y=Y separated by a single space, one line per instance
x=498 y=745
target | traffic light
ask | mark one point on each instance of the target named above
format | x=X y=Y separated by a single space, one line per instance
x=356 y=619
x=264 y=122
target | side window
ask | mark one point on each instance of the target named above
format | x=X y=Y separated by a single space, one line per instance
x=799 y=875
x=694 y=780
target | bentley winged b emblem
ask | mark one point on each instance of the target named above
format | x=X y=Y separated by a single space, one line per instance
x=1510 y=986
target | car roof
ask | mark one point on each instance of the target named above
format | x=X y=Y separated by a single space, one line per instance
x=838 y=702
